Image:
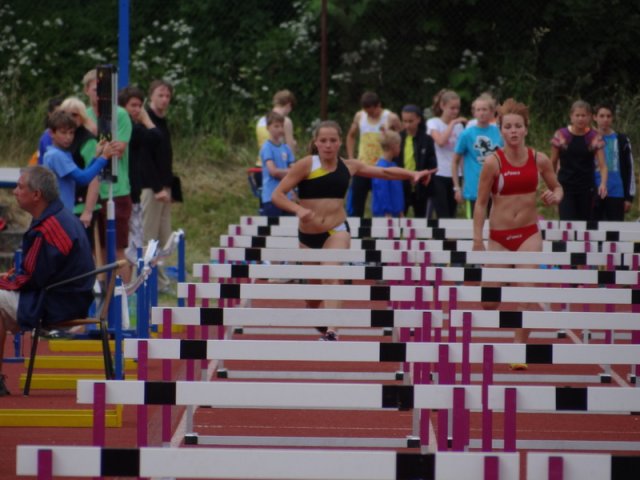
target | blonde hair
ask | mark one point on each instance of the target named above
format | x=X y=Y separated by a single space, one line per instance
x=74 y=105
x=90 y=76
x=580 y=104
x=485 y=97
x=389 y=139
x=511 y=107
x=443 y=97
x=284 y=97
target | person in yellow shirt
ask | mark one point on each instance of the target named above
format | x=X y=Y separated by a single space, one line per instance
x=369 y=124
x=283 y=103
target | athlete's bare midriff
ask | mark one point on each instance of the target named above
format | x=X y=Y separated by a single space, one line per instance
x=513 y=211
x=327 y=214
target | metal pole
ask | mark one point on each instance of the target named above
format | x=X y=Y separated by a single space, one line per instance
x=123 y=43
x=141 y=307
x=182 y=268
x=115 y=316
x=323 y=61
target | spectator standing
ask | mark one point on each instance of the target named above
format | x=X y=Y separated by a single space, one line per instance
x=157 y=175
x=621 y=187
x=59 y=159
x=144 y=137
x=574 y=152
x=121 y=188
x=445 y=128
x=474 y=144
x=83 y=151
x=45 y=138
x=283 y=103
x=55 y=248
x=388 y=195
x=368 y=124
x=276 y=158
x=417 y=152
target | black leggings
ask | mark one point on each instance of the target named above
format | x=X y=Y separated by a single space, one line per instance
x=609 y=209
x=443 y=198
x=358 y=193
x=576 y=205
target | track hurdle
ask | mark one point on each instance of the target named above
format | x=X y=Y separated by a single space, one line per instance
x=576 y=225
x=596 y=296
x=564 y=320
x=260 y=253
x=438 y=243
x=261 y=464
x=344 y=396
x=576 y=466
x=418 y=274
x=369 y=293
x=292 y=231
x=239 y=319
x=461 y=233
x=444 y=354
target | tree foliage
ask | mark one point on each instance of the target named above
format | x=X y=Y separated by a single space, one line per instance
x=228 y=58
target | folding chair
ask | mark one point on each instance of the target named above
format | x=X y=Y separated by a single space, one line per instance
x=100 y=320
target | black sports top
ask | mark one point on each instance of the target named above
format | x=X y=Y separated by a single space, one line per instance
x=322 y=184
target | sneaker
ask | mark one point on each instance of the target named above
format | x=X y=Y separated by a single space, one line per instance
x=519 y=366
x=330 y=336
x=4 y=391
x=56 y=334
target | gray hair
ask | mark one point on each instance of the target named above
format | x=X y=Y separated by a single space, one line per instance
x=41 y=178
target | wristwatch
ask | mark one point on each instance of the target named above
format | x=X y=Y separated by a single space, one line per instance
x=456 y=189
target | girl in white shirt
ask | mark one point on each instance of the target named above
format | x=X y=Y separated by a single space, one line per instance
x=445 y=129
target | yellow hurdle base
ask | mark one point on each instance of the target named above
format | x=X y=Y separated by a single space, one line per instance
x=82 y=418
x=77 y=362
x=62 y=381
x=71 y=345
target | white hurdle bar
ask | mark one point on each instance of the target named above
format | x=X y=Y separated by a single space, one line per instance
x=392 y=319
x=565 y=320
x=415 y=352
x=421 y=354
x=438 y=243
x=422 y=321
x=580 y=466
x=450 y=233
x=252 y=253
x=302 y=317
x=344 y=396
x=262 y=464
x=417 y=274
x=595 y=296
x=395 y=323
x=292 y=231
x=356 y=222
x=249 y=291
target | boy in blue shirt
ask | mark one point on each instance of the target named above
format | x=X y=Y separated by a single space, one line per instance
x=58 y=158
x=474 y=143
x=276 y=157
x=621 y=187
x=388 y=195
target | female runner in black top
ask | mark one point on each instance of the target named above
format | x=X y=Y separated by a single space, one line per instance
x=322 y=180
